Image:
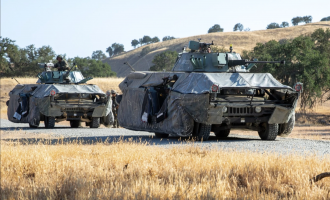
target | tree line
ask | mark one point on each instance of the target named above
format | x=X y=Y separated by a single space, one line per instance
x=24 y=61
x=295 y=21
x=307 y=60
x=148 y=40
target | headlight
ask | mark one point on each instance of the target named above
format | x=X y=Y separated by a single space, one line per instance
x=224 y=109
x=258 y=109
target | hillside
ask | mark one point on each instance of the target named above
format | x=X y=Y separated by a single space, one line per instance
x=240 y=40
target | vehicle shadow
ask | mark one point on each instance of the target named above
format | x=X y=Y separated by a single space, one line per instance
x=39 y=128
x=143 y=139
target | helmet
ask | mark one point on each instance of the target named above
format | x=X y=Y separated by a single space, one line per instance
x=113 y=92
x=59 y=56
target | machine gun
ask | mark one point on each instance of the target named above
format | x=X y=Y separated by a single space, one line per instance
x=249 y=64
x=194 y=46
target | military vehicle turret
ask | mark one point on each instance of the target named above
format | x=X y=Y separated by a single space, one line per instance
x=208 y=92
x=60 y=96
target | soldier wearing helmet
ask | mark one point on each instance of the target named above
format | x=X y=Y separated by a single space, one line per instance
x=115 y=106
x=62 y=64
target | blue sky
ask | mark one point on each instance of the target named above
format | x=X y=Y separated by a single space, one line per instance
x=79 y=27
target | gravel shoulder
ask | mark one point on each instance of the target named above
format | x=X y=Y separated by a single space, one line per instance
x=14 y=131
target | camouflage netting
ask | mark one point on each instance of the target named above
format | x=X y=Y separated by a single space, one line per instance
x=39 y=100
x=187 y=101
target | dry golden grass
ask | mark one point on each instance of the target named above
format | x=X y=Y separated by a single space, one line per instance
x=240 y=40
x=130 y=170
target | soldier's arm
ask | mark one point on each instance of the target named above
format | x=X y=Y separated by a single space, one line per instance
x=114 y=101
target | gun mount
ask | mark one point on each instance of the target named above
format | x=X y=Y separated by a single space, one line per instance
x=200 y=59
x=72 y=76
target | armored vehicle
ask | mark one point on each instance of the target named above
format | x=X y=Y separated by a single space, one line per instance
x=208 y=92
x=60 y=96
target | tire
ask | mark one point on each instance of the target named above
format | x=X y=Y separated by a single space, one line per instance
x=286 y=129
x=49 y=122
x=268 y=132
x=161 y=135
x=75 y=123
x=203 y=132
x=222 y=133
x=95 y=123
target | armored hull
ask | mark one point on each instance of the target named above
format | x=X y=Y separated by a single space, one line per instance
x=60 y=96
x=204 y=93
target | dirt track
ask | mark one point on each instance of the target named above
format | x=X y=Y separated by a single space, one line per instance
x=238 y=140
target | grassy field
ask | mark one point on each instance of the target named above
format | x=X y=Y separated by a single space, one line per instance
x=130 y=170
x=240 y=40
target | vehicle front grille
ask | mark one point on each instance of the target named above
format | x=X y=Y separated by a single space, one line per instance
x=244 y=110
x=74 y=109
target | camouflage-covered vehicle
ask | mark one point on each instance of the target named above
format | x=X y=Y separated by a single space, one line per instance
x=60 y=96
x=208 y=92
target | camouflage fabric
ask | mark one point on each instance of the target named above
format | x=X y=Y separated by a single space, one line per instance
x=115 y=105
x=62 y=65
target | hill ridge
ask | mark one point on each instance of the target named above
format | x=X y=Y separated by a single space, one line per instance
x=240 y=40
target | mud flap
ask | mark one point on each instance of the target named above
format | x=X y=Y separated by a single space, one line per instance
x=280 y=115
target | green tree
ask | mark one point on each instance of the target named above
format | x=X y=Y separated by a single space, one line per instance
x=238 y=27
x=284 y=24
x=146 y=39
x=109 y=50
x=168 y=38
x=215 y=28
x=134 y=43
x=92 y=67
x=325 y=19
x=117 y=48
x=296 y=20
x=307 y=61
x=155 y=39
x=24 y=60
x=145 y=51
x=98 y=55
x=307 y=19
x=273 y=25
x=164 y=61
x=141 y=42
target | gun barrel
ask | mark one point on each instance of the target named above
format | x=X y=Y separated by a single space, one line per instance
x=243 y=62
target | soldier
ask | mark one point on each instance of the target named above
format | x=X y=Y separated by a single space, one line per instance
x=115 y=106
x=61 y=65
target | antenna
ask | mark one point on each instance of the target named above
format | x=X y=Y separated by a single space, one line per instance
x=126 y=63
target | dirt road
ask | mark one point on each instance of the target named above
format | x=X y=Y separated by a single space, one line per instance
x=235 y=141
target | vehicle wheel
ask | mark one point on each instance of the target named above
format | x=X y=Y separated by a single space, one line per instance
x=268 y=132
x=222 y=133
x=49 y=122
x=203 y=132
x=75 y=123
x=161 y=135
x=286 y=129
x=95 y=123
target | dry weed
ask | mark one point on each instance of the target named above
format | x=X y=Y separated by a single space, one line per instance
x=132 y=170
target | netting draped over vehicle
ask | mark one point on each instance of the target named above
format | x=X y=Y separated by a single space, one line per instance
x=187 y=101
